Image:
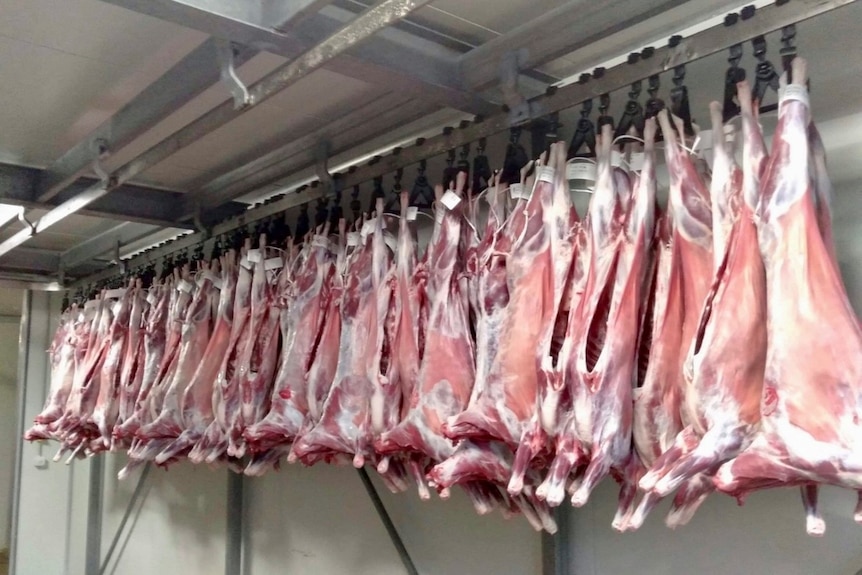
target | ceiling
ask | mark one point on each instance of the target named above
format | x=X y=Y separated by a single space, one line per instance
x=70 y=65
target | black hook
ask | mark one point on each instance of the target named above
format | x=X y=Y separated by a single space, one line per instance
x=604 y=118
x=355 y=206
x=450 y=172
x=516 y=158
x=322 y=212
x=765 y=74
x=585 y=134
x=633 y=116
x=482 y=173
x=377 y=193
x=734 y=76
x=394 y=201
x=788 y=49
x=422 y=194
x=336 y=212
x=303 y=225
x=679 y=99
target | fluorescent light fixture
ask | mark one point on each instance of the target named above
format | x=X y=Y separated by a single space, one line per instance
x=8 y=213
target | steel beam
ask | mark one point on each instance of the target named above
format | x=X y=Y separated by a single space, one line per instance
x=697 y=46
x=555 y=548
x=179 y=85
x=103 y=243
x=601 y=29
x=234 y=538
x=361 y=28
x=417 y=66
x=19 y=186
x=93 y=552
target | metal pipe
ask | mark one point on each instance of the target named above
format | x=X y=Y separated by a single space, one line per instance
x=235 y=513
x=697 y=46
x=387 y=522
x=354 y=32
x=93 y=558
x=555 y=548
x=139 y=488
x=23 y=368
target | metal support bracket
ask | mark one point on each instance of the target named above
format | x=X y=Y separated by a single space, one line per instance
x=520 y=109
x=23 y=219
x=321 y=156
x=409 y=566
x=226 y=53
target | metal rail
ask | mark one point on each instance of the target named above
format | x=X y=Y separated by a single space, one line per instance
x=697 y=46
x=387 y=522
x=357 y=30
x=233 y=560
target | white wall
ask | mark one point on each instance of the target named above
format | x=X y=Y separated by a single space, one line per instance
x=8 y=420
x=320 y=520
x=766 y=535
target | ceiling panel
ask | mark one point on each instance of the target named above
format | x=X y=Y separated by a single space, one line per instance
x=499 y=16
x=74 y=63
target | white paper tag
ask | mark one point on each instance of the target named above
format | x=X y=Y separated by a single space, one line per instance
x=320 y=242
x=368 y=227
x=794 y=92
x=391 y=242
x=545 y=174
x=185 y=286
x=244 y=262
x=91 y=304
x=636 y=162
x=253 y=256
x=581 y=171
x=115 y=293
x=516 y=191
x=412 y=212
x=616 y=159
x=115 y=309
x=275 y=263
x=152 y=298
x=450 y=199
x=353 y=238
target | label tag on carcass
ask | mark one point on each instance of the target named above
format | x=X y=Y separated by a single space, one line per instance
x=545 y=174
x=353 y=238
x=794 y=92
x=391 y=242
x=412 y=212
x=450 y=199
x=368 y=227
x=275 y=263
x=516 y=191
x=115 y=293
x=636 y=161
x=320 y=242
x=253 y=255
x=581 y=171
x=90 y=304
x=185 y=286
x=209 y=275
x=243 y=262
x=616 y=159
x=152 y=298
x=115 y=309
x=729 y=133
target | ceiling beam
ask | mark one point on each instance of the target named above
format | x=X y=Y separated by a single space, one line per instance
x=296 y=152
x=359 y=29
x=392 y=57
x=179 y=85
x=104 y=243
x=587 y=33
x=19 y=186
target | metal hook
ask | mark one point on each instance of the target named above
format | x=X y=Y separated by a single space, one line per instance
x=226 y=52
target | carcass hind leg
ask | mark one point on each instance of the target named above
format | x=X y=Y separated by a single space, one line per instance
x=532 y=443
x=685 y=442
x=716 y=445
x=597 y=470
x=647 y=503
x=814 y=523
x=628 y=492
x=553 y=489
x=689 y=497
